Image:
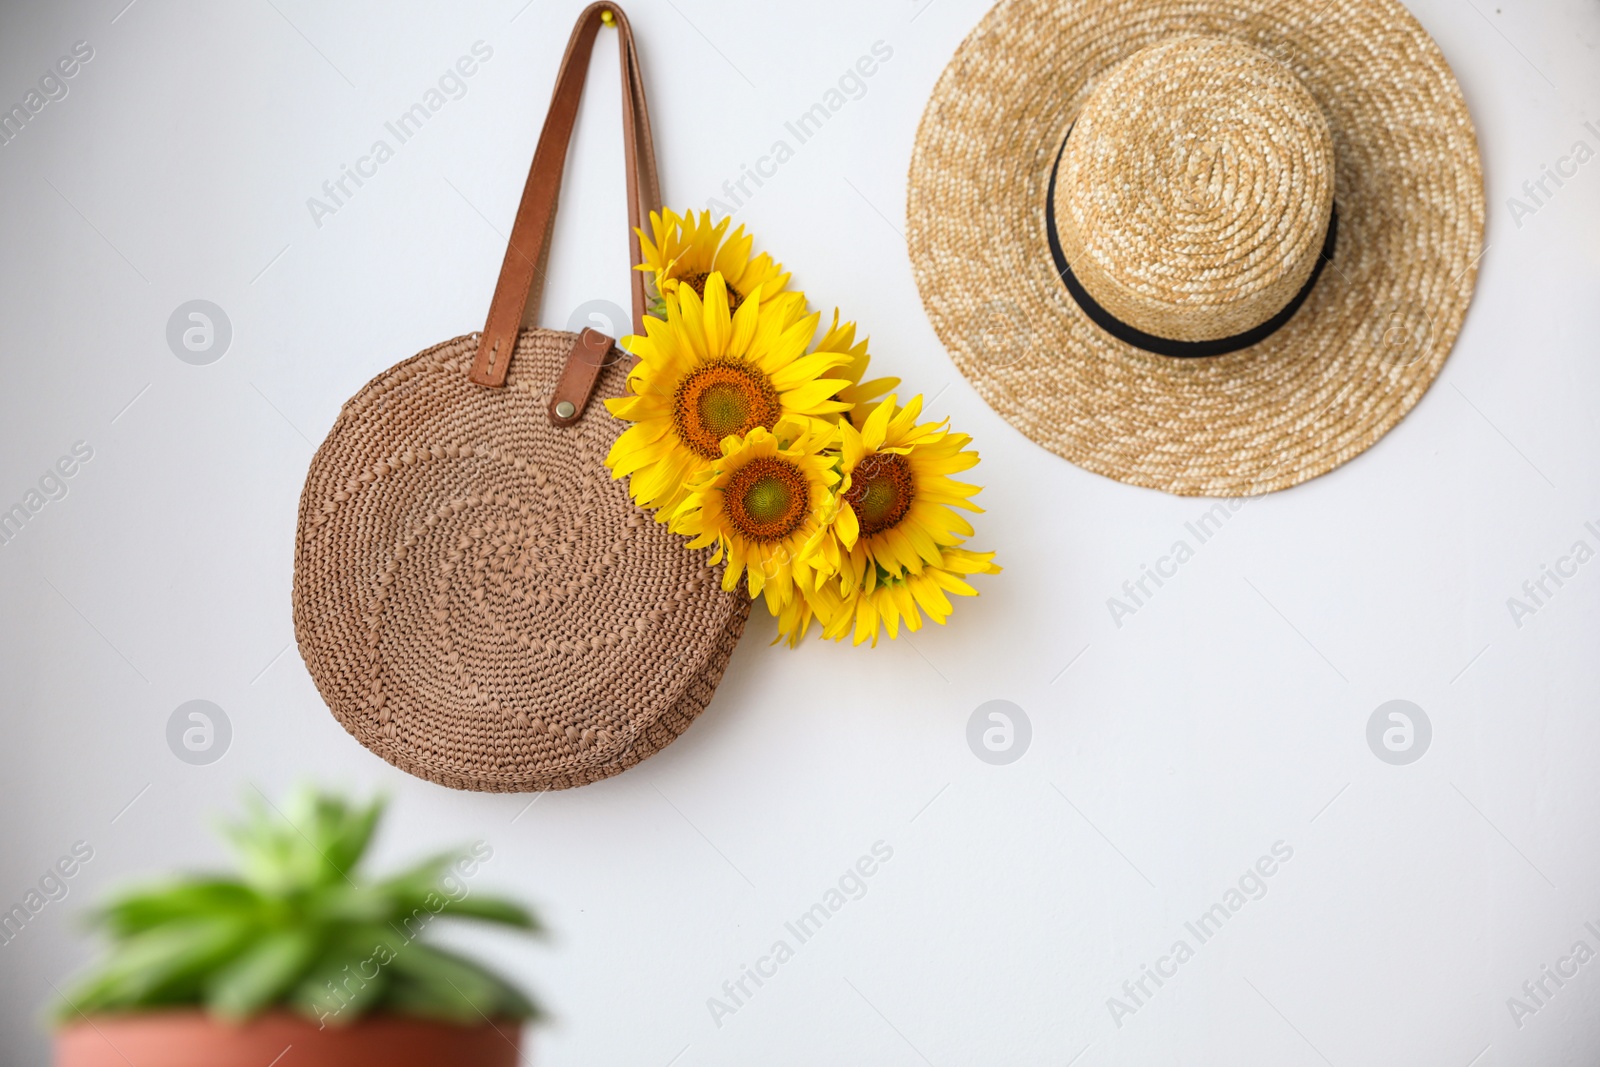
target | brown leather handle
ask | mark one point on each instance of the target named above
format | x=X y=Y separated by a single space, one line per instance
x=530 y=234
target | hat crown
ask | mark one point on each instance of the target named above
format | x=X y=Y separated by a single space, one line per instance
x=1194 y=190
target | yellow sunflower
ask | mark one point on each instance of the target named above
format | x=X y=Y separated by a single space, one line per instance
x=883 y=601
x=704 y=375
x=795 y=617
x=896 y=499
x=860 y=394
x=687 y=251
x=759 y=504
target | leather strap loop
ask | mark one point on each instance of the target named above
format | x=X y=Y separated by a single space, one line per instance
x=590 y=354
x=522 y=273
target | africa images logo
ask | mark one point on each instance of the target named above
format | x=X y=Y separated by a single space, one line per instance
x=1538 y=591
x=451 y=85
x=52 y=87
x=52 y=886
x=1251 y=885
x=851 y=885
x=52 y=486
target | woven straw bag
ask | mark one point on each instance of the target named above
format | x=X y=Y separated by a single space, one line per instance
x=477 y=600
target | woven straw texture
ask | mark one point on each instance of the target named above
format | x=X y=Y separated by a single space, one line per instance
x=1199 y=180
x=1221 y=245
x=478 y=602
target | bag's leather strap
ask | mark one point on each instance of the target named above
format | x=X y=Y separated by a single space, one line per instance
x=530 y=234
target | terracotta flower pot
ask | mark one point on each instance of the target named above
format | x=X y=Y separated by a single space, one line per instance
x=192 y=1039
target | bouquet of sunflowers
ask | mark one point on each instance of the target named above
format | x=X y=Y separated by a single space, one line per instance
x=827 y=496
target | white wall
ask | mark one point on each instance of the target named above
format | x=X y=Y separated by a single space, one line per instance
x=1176 y=750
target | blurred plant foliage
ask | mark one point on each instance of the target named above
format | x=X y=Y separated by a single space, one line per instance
x=300 y=928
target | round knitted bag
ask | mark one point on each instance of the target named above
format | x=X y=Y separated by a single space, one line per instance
x=476 y=598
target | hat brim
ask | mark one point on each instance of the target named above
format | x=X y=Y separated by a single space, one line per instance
x=1356 y=356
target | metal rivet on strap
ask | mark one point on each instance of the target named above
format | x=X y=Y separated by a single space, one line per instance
x=566 y=409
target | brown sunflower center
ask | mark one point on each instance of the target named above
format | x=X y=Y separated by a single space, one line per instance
x=697 y=282
x=880 y=491
x=722 y=398
x=767 y=499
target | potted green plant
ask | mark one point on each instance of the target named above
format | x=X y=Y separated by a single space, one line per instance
x=297 y=952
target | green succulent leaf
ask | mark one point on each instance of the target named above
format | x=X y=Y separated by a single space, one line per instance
x=342 y=833
x=343 y=985
x=163 y=903
x=440 y=984
x=164 y=965
x=494 y=910
x=263 y=974
x=351 y=904
x=302 y=928
x=423 y=889
x=425 y=874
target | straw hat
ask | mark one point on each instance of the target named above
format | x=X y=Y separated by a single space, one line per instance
x=1213 y=247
